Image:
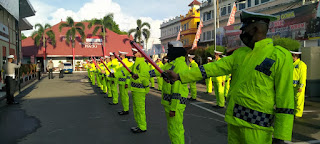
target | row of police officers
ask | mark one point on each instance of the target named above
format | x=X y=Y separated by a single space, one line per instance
x=266 y=90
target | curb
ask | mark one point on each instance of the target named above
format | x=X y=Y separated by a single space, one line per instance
x=2 y=96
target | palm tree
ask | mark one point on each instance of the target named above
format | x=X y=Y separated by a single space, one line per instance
x=139 y=31
x=105 y=22
x=41 y=36
x=71 y=33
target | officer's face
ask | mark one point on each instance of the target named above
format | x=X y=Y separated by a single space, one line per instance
x=10 y=60
x=247 y=35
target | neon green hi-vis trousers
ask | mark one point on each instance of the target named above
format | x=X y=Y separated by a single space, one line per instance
x=114 y=91
x=219 y=92
x=104 y=84
x=299 y=101
x=226 y=88
x=98 y=79
x=193 y=89
x=244 y=135
x=109 y=89
x=160 y=81
x=124 y=97
x=152 y=81
x=93 y=81
x=139 y=109
x=209 y=85
x=175 y=126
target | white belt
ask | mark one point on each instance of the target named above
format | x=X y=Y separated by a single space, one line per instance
x=11 y=75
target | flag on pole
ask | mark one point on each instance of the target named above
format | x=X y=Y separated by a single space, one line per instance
x=232 y=14
x=178 y=37
x=196 y=39
x=163 y=49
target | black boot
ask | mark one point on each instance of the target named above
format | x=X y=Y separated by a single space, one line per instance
x=123 y=112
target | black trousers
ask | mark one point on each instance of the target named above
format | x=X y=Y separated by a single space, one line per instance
x=50 y=74
x=39 y=75
x=10 y=88
x=61 y=74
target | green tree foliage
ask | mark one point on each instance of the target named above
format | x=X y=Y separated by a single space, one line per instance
x=114 y=26
x=140 y=31
x=23 y=36
x=287 y=43
x=40 y=36
x=73 y=28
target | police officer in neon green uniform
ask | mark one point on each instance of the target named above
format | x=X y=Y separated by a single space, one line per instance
x=299 y=82
x=174 y=96
x=139 y=83
x=193 y=85
x=218 y=83
x=102 y=76
x=108 y=81
x=92 y=73
x=260 y=100
x=113 y=85
x=123 y=77
x=159 y=79
x=209 y=79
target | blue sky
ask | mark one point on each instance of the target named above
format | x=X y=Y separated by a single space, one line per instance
x=125 y=12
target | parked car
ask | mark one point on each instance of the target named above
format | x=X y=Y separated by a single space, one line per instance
x=67 y=67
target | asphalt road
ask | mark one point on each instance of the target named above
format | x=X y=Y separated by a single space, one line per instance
x=71 y=111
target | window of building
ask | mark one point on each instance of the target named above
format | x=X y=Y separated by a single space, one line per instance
x=208 y=35
x=256 y=2
x=204 y=36
x=209 y=15
x=229 y=8
x=249 y=3
x=185 y=27
x=223 y=10
x=204 y=17
x=263 y=1
x=242 y=6
x=212 y=32
x=209 y=1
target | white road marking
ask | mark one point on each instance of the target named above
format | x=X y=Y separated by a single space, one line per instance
x=308 y=111
x=209 y=110
x=307 y=142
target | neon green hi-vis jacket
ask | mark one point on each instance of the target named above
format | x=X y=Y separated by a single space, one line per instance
x=141 y=68
x=219 y=79
x=122 y=74
x=261 y=85
x=299 y=82
x=113 y=67
x=173 y=96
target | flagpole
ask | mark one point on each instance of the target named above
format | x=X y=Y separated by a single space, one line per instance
x=215 y=23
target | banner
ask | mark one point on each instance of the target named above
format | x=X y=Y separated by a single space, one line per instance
x=232 y=15
x=178 y=37
x=4 y=32
x=196 y=39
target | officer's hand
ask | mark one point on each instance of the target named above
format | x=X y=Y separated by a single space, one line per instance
x=172 y=113
x=103 y=72
x=299 y=90
x=172 y=76
x=277 y=141
x=126 y=86
x=111 y=74
x=135 y=76
x=223 y=83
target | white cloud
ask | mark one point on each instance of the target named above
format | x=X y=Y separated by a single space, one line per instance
x=94 y=9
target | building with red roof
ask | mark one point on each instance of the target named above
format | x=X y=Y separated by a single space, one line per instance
x=62 y=51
